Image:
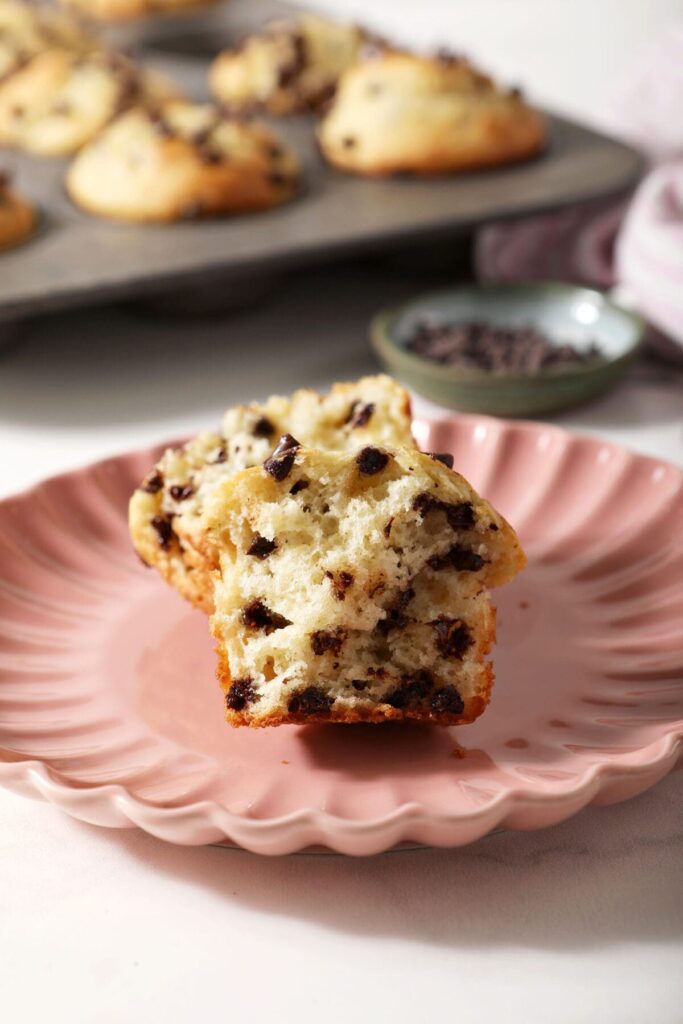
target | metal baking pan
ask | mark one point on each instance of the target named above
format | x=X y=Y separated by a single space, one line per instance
x=76 y=259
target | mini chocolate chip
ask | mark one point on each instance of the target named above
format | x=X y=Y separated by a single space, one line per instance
x=300 y=485
x=325 y=509
x=181 y=492
x=290 y=70
x=311 y=701
x=492 y=526
x=395 y=617
x=453 y=637
x=371 y=460
x=444 y=457
x=281 y=461
x=209 y=155
x=447 y=700
x=263 y=427
x=153 y=483
x=164 y=530
x=240 y=694
x=257 y=615
x=411 y=692
x=324 y=640
x=460 y=558
x=161 y=127
x=387 y=527
x=340 y=583
x=359 y=414
x=359 y=684
x=221 y=456
x=261 y=547
x=460 y=514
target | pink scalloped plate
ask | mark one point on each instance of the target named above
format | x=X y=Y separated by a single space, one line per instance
x=109 y=708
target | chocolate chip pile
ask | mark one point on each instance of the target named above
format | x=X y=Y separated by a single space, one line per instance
x=476 y=345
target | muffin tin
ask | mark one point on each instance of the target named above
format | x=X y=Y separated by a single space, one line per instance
x=77 y=259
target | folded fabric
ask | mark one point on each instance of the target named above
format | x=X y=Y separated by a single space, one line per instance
x=649 y=251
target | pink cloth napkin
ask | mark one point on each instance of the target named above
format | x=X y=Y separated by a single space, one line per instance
x=635 y=248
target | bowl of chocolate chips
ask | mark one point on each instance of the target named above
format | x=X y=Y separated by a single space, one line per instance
x=509 y=350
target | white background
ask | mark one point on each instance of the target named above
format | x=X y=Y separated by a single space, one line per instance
x=580 y=923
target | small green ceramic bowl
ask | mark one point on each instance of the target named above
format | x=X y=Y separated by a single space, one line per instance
x=564 y=313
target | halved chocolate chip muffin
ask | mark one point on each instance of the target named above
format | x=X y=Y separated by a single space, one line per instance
x=165 y=511
x=352 y=587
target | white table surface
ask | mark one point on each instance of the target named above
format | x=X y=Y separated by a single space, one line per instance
x=582 y=922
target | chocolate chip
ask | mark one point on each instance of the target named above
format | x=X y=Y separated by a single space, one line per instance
x=297 y=62
x=181 y=492
x=261 y=547
x=274 y=152
x=164 y=529
x=324 y=640
x=460 y=514
x=281 y=461
x=371 y=460
x=240 y=694
x=263 y=427
x=311 y=701
x=300 y=485
x=209 y=155
x=153 y=483
x=320 y=100
x=359 y=414
x=221 y=456
x=447 y=700
x=453 y=637
x=411 y=692
x=278 y=179
x=395 y=617
x=348 y=142
x=161 y=127
x=340 y=583
x=460 y=558
x=493 y=526
x=257 y=615
x=359 y=684
x=444 y=457
x=448 y=57
x=387 y=527
x=201 y=137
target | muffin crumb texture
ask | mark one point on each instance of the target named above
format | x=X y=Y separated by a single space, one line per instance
x=342 y=620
